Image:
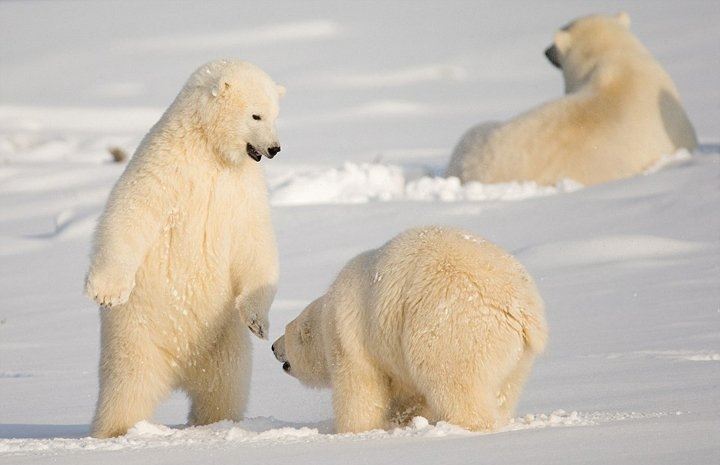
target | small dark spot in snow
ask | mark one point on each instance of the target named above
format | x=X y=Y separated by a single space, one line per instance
x=119 y=155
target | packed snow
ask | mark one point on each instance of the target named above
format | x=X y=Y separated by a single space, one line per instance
x=272 y=432
x=378 y=94
x=364 y=182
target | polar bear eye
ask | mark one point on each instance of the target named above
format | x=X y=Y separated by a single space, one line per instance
x=257 y=117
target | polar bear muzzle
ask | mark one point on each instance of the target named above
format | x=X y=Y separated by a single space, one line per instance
x=278 y=349
x=255 y=154
x=553 y=56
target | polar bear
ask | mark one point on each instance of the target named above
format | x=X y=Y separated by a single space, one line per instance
x=620 y=114
x=437 y=322
x=184 y=257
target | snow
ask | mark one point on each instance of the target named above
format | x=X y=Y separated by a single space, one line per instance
x=270 y=432
x=378 y=94
x=364 y=182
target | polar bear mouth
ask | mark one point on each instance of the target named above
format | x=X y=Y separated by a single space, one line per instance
x=252 y=152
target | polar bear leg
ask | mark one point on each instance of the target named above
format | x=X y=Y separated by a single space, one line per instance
x=134 y=378
x=458 y=382
x=219 y=382
x=406 y=405
x=465 y=402
x=510 y=392
x=361 y=397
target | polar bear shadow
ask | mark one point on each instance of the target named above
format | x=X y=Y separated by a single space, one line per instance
x=27 y=431
x=672 y=116
x=255 y=426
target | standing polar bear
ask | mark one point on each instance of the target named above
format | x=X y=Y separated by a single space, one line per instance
x=184 y=259
x=436 y=323
x=620 y=114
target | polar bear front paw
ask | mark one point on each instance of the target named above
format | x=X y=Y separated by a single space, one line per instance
x=258 y=326
x=108 y=291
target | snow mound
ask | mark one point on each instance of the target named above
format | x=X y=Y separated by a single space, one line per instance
x=366 y=182
x=574 y=418
x=354 y=183
x=270 y=431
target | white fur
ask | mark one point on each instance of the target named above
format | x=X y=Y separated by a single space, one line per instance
x=184 y=257
x=436 y=322
x=620 y=114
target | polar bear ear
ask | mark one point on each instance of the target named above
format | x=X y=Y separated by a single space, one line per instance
x=280 y=90
x=624 y=19
x=562 y=40
x=221 y=87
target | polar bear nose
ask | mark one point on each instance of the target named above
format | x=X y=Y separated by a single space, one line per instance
x=272 y=151
x=553 y=56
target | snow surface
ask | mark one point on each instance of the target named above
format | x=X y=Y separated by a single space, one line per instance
x=378 y=93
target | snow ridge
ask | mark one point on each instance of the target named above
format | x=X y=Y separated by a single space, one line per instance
x=270 y=431
x=366 y=182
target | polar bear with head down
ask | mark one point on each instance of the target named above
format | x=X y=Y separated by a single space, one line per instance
x=437 y=322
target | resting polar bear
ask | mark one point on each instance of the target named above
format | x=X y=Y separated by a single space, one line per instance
x=184 y=258
x=620 y=114
x=435 y=322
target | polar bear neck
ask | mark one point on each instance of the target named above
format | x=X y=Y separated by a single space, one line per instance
x=616 y=60
x=182 y=131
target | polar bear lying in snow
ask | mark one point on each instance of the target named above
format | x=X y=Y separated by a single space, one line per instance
x=620 y=114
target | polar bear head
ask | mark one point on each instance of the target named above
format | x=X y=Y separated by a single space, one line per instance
x=235 y=104
x=302 y=348
x=588 y=43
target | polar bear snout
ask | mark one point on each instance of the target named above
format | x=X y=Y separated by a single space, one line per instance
x=278 y=349
x=553 y=56
x=256 y=155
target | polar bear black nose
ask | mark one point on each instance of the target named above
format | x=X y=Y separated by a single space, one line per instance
x=553 y=56
x=272 y=151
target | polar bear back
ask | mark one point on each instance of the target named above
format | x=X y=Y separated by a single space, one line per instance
x=436 y=281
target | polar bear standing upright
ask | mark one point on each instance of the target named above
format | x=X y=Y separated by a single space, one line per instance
x=436 y=322
x=620 y=114
x=184 y=258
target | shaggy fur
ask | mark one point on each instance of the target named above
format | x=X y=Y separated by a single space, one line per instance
x=436 y=322
x=184 y=259
x=620 y=114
